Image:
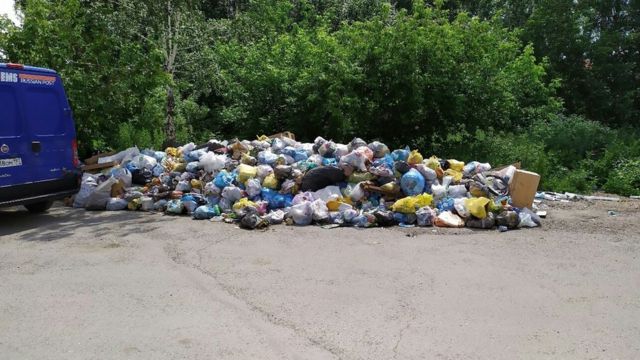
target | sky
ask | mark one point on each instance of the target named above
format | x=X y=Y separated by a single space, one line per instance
x=6 y=8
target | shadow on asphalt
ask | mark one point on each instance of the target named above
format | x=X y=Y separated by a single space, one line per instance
x=60 y=222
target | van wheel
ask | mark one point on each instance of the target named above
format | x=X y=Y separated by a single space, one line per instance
x=39 y=207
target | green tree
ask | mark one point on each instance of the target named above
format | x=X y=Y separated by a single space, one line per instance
x=392 y=77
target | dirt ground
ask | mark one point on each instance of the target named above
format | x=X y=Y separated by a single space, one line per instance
x=132 y=285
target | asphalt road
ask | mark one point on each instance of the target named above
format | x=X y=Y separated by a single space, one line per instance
x=125 y=285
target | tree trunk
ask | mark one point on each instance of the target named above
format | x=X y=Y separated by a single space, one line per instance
x=169 y=126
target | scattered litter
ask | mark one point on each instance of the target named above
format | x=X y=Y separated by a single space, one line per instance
x=565 y=197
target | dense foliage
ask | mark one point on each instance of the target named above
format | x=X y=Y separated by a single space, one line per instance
x=469 y=79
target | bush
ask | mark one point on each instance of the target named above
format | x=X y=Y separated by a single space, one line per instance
x=624 y=178
x=572 y=139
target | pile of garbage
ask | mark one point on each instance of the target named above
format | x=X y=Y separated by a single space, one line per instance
x=277 y=179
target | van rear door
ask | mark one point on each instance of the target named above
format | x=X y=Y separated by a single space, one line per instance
x=49 y=123
x=16 y=163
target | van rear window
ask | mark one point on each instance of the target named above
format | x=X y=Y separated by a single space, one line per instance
x=10 y=125
x=44 y=111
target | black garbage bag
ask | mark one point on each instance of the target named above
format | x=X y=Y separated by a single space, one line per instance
x=321 y=177
x=253 y=221
x=487 y=223
x=384 y=218
x=509 y=219
x=141 y=176
x=402 y=167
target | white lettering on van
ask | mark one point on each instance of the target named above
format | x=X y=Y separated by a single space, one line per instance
x=8 y=77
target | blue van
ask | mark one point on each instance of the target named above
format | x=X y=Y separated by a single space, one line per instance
x=38 y=149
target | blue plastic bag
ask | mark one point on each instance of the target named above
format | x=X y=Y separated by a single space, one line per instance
x=175 y=207
x=157 y=170
x=446 y=204
x=296 y=154
x=223 y=179
x=275 y=200
x=400 y=154
x=412 y=183
x=192 y=167
x=206 y=212
x=195 y=155
x=329 y=162
x=189 y=202
x=387 y=161
x=267 y=157
x=131 y=166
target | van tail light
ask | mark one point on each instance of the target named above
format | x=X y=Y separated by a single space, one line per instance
x=74 y=149
x=15 y=66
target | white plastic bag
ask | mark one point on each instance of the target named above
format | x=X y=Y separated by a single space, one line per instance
x=211 y=162
x=302 y=214
x=438 y=192
x=101 y=195
x=121 y=157
x=357 y=193
x=87 y=187
x=275 y=217
x=320 y=210
x=146 y=203
x=341 y=150
x=116 y=204
x=253 y=187
x=188 y=148
x=460 y=205
x=144 y=162
x=428 y=173
x=329 y=193
x=528 y=218
x=232 y=193
x=457 y=191
x=263 y=171
x=122 y=174
x=355 y=159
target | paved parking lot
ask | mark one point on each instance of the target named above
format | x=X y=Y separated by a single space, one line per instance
x=130 y=285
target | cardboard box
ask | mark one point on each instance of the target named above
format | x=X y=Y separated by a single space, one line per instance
x=286 y=134
x=98 y=167
x=94 y=159
x=523 y=188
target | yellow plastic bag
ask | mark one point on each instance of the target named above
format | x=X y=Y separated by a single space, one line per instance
x=242 y=203
x=433 y=162
x=358 y=177
x=423 y=200
x=456 y=175
x=263 y=138
x=270 y=182
x=455 y=164
x=196 y=184
x=246 y=172
x=171 y=151
x=179 y=166
x=415 y=157
x=248 y=159
x=410 y=204
x=134 y=204
x=334 y=205
x=477 y=206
